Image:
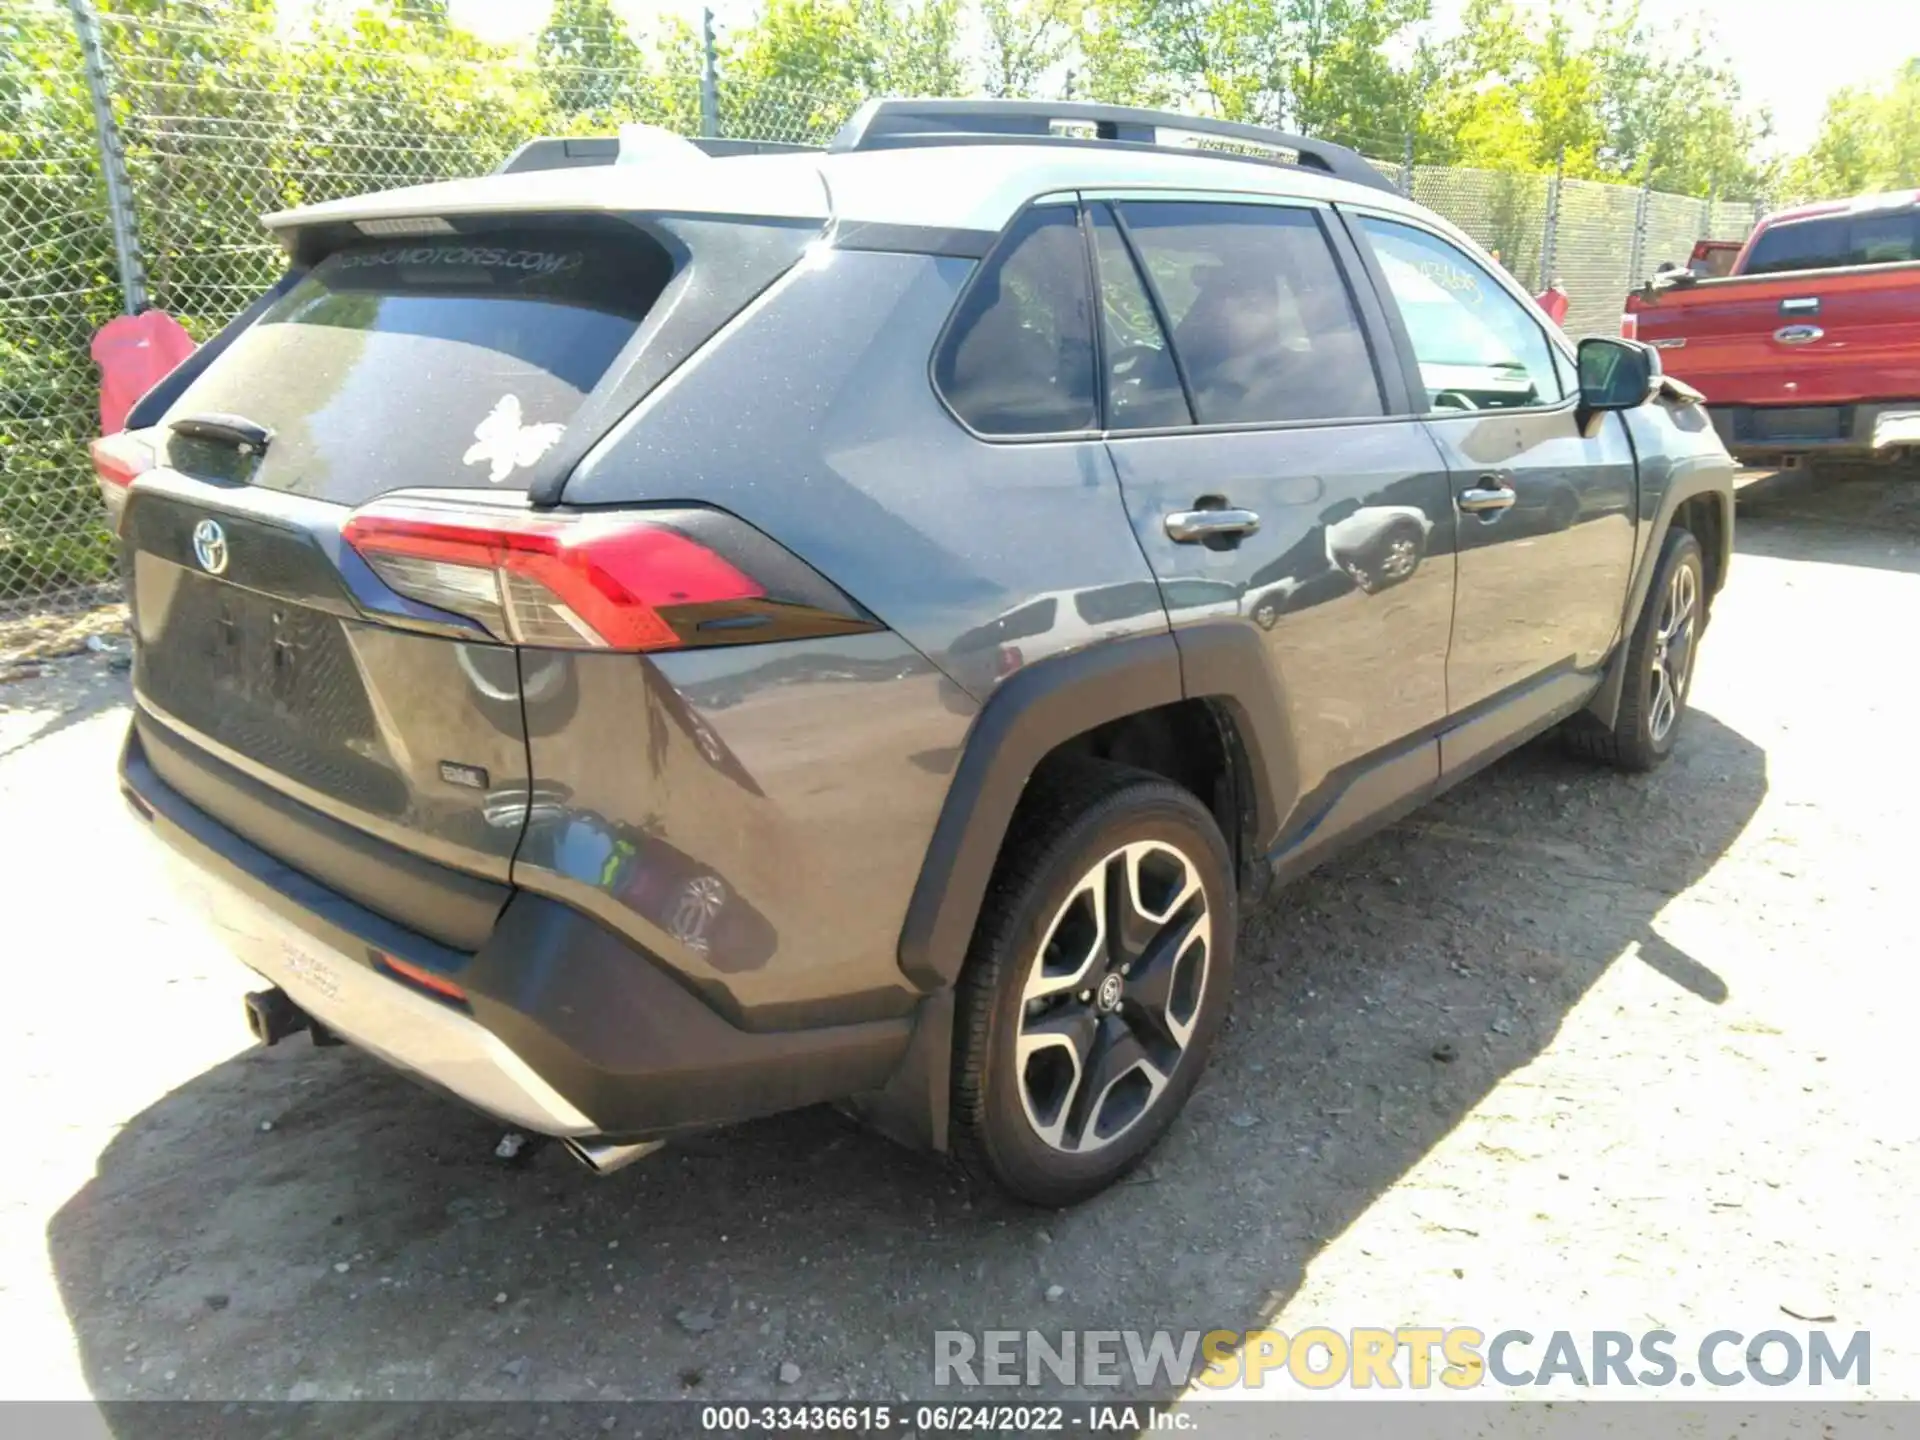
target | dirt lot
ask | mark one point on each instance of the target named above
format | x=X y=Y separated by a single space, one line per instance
x=1565 y=1050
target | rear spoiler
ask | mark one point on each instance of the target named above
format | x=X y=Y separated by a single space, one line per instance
x=567 y=152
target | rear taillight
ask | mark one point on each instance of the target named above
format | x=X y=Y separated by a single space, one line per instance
x=1629 y=326
x=637 y=580
x=117 y=460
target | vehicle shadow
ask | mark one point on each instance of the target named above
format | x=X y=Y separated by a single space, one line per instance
x=368 y=1245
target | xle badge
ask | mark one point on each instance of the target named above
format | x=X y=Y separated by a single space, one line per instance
x=474 y=777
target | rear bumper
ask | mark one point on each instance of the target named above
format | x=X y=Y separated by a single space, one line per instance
x=1759 y=434
x=567 y=1029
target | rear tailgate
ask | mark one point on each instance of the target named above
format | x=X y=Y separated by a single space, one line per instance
x=1828 y=337
x=267 y=699
x=293 y=690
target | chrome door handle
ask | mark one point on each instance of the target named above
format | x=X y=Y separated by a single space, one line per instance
x=1196 y=527
x=1488 y=497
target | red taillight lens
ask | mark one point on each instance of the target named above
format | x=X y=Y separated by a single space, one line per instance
x=117 y=460
x=1629 y=326
x=596 y=582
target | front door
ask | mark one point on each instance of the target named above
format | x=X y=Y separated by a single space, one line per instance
x=1546 y=512
x=1271 y=486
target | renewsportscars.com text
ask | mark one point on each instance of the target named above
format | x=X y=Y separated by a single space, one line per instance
x=1458 y=1357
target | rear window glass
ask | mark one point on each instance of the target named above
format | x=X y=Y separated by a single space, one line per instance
x=1883 y=238
x=445 y=361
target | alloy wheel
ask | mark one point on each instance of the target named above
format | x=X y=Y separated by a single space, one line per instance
x=1401 y=558
x=1673 y=650
x=1112 y=996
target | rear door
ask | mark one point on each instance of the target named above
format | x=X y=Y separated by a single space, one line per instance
x=1546 y=510
x=1241 y=376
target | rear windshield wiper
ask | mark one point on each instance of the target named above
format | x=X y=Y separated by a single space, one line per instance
x=244 y=435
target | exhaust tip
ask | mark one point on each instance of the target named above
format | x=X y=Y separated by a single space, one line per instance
x=272 y=1016
x=604 y=1158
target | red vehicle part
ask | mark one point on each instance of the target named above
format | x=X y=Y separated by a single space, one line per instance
x=134 y=352
x=1812 y=345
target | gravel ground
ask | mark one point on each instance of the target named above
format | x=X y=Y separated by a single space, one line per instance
x=1564 y=1050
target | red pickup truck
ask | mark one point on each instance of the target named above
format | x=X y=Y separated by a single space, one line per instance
x=1810 y=347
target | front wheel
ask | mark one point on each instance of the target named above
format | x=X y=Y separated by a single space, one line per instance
x=1098 y=976
x=1659 y=660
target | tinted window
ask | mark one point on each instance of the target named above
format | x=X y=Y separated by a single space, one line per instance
x=439 y=361
x=1018 y=358
x=1143 y=385
x=1477 y=346
x=1888 y=237
x=1260 y=315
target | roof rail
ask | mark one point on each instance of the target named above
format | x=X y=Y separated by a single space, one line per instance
x=887 y=124
x=566 y=152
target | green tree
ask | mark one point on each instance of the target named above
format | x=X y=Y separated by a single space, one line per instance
x=1515 y=94
x=1669 y=110
x=1321 y=66
x=587 y=59
x=1869 y=140
x=1022 y=41
x=57 y=285
x=1219 y=54
x=1341 y=84
x=805 y=65
x=916 y=46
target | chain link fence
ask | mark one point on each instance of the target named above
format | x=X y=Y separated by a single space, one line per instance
x=225 y=111
x=57 y=285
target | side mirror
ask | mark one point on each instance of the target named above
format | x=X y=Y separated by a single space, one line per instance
x=1617 y=374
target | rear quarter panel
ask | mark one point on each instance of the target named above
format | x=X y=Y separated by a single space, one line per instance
x=754 y=817
x=813 y=417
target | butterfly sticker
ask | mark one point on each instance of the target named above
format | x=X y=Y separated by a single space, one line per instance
x=503 y=442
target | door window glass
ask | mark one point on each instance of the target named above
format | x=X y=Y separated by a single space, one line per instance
x=1261 y=317
x=1018 y=358
x=1143 y=385
x=1477 y=347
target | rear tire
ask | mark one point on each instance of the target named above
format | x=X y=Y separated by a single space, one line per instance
x=1099 y=974
x=1660 y=663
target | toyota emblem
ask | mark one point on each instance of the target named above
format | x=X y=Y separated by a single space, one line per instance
x=210 y=546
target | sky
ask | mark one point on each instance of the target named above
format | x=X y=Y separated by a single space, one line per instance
x=1789 y=54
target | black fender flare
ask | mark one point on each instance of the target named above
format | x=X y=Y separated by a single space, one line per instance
x=1037 y=709
x=1030 y=713
x=1051 y=701
x=1605 y=704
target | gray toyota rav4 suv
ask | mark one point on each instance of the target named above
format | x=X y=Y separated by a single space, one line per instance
x=669 y=632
